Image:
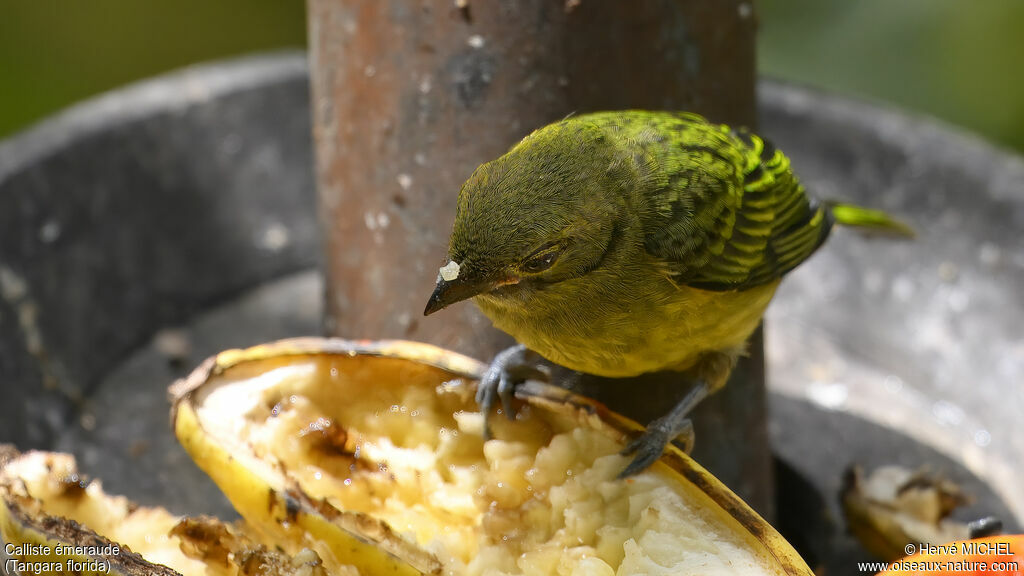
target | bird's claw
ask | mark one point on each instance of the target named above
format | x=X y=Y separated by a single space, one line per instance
x=674 y=425
x=510 y=367
x=649 y=446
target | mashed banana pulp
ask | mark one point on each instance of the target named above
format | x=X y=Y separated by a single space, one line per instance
x=539 y=498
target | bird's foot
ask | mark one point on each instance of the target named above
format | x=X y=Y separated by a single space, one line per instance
x=510 y=367
x=674 y=425
x=649 y=446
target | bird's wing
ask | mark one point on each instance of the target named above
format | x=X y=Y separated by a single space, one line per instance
x=729 y=213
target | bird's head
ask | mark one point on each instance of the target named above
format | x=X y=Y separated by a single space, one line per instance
x=545 y=212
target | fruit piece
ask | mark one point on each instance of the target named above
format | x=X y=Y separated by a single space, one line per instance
x=47 y=509
x=894 y=507
x=372 y=454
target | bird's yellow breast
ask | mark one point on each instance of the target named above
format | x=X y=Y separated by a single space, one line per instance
x=620 y=333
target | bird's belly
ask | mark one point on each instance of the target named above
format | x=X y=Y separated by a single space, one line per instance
x=660 y=332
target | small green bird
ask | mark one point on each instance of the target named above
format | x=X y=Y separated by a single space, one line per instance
x=621 y=243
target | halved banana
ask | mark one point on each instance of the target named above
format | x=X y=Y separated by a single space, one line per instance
x=372 y=454
x=54 y=521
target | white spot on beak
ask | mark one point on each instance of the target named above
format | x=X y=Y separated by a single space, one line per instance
x=450 y=271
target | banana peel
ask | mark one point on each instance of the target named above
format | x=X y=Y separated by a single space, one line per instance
x=372 y=455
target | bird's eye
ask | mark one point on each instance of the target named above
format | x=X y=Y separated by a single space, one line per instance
x=541 y=260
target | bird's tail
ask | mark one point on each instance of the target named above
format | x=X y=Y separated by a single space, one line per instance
x=868 y=220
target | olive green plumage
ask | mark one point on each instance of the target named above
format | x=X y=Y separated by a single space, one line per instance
x=619 y=243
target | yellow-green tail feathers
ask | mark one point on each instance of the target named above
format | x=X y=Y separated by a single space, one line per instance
x=872 y=221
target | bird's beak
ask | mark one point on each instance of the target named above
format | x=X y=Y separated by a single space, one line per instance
x=458 y=287
x=447 y=293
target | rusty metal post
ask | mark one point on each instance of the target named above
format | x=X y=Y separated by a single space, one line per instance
x=409 y=97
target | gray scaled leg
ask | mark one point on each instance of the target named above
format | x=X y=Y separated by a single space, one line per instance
x=510 y=367
x=649 y=446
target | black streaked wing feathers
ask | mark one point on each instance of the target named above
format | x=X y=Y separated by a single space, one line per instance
x=731 y=215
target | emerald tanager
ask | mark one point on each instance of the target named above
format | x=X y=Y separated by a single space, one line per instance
x=620 y=243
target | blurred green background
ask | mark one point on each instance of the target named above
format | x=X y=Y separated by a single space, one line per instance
x=954 y=59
